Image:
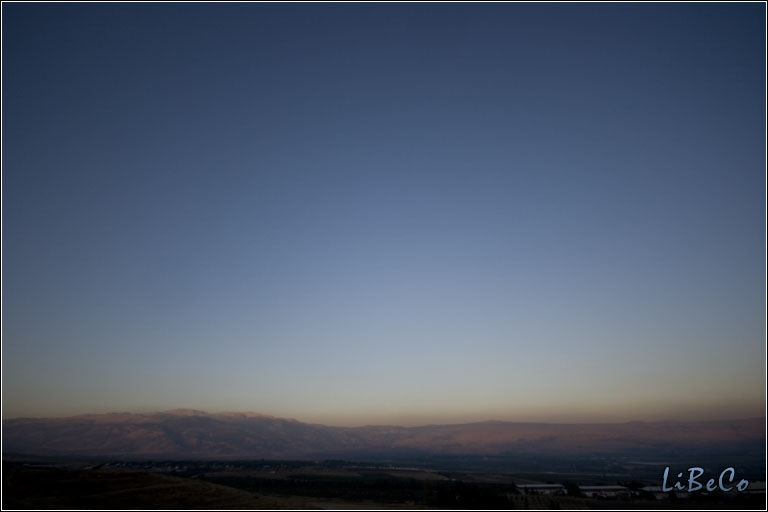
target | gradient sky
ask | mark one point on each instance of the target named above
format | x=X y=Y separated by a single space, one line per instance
x=399 y=213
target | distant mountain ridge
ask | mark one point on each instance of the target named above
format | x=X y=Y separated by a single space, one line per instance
x=189 y=433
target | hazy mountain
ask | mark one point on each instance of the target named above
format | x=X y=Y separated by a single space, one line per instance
x=186 y=433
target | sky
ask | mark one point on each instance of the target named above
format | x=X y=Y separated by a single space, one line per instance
x=385 y=213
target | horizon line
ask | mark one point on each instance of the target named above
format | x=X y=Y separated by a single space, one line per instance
x=181 y=411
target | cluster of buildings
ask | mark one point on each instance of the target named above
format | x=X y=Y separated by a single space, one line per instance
x=590 y=491
x=618 y=491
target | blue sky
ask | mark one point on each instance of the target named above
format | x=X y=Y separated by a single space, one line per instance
x=396 y=213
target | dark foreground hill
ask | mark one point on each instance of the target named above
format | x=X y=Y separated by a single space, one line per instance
x=195 y=434
x=44 y=488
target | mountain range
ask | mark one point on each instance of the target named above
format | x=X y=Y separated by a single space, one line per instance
x=187 y=433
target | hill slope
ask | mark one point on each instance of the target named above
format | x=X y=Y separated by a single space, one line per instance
x=195 y=434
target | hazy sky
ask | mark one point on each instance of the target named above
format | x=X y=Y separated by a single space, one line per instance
x=399 y=213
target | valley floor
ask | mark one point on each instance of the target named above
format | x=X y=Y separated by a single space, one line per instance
x=81 y=486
